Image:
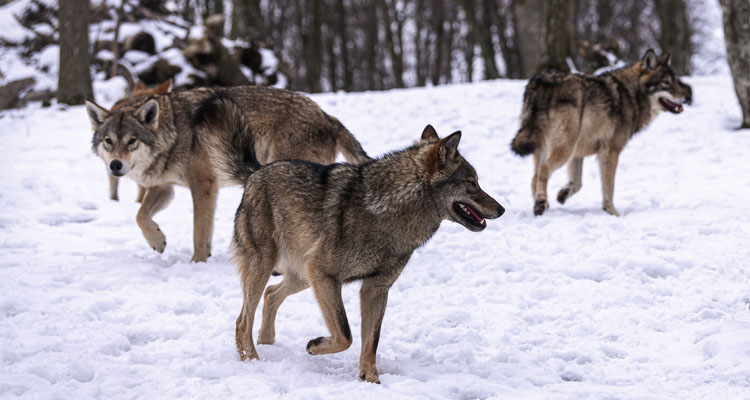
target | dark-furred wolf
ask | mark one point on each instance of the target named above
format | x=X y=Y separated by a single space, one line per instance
x=206 y=138
x=566 y=117
x=324 y=226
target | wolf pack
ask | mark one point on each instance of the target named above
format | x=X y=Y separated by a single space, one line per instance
x=323 y=224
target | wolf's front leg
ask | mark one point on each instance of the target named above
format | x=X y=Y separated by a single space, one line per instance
x=156 y=199
x=113 y=183
x=204 y=190
x=373 y=300
x=608 y=166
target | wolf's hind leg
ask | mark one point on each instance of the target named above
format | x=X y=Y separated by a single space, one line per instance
x=272 y=300
x=255 y=264
x=575 y=171
x=156 y=199
x=328 y=292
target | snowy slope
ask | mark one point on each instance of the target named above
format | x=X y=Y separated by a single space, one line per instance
x=573 y=305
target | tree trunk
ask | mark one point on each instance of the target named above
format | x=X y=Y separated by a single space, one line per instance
x=528 y=22
x=483 y=36
x=396 y=60
x=737 y=36
x=247 y=20
x=344 y=48
x=507 y=47
x=438 y=21
x=74 y=79
x=371 y=44
x=558 y=34
x=675 y=32
x=421 y=44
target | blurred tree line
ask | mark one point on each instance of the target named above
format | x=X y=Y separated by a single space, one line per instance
x=356 y=45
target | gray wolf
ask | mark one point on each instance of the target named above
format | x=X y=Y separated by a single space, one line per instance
x=566 y=117
x=140 y=89
x=207 y=138
x=324 y=226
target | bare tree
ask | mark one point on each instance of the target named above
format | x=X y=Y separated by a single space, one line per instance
x=558 y=34
x=482 y=35
x=675 y=33
x=247 y=19
x=737 y=36
x=397 y=62
x=74 y=79
x=528 y=22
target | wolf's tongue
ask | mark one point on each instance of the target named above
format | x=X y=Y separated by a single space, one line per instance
x=476 y=217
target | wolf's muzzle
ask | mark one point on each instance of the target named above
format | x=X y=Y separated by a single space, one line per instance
x=116 y=167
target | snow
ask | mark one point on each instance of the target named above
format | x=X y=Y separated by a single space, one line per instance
x=572 y=305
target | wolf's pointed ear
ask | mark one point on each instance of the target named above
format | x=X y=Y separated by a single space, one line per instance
x=148 y=114
x=164 y=88
x=449 y=147
x=429 y=133
x=96 y=114
x=666 y=59
x=649 y=60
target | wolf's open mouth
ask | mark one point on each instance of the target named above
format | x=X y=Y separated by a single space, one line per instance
x=470 y=215
x=674 y=108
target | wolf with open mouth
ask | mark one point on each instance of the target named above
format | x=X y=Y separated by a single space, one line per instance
x=328 y=225
x=566 y=117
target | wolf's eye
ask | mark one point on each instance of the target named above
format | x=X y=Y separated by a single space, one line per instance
x=131 y=142
x=108 y=141
x=472 y=183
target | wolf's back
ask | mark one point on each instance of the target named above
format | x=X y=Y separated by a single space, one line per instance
x=224 y=129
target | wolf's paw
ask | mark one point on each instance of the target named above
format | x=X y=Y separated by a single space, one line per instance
x=248 y=354
x=157 y=240
x=370 y=376
x=266 y=337
x=198 y=257
x=313 y=344
x=611 y=210
x=540 y=206
x=563 y=195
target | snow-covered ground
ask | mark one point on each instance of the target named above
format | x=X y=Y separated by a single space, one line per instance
x=575 y=304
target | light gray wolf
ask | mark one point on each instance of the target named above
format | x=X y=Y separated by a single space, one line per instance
x=324 y=226
x=206 y=138
x=566 y=117
x=140 y=89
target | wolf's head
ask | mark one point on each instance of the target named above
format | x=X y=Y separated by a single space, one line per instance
x=454 y=183
x=660 y=83
x=122 y=136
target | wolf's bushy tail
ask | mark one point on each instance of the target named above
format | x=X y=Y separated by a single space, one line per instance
x=225 y=130
x=525 y=141
x=346 y=143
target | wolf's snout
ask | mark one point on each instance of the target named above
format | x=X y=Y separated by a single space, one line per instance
x=116 y=167
x=500 y=211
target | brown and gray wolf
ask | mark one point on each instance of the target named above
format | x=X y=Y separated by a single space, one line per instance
x=566 y=117
x=207 y=138
x=325 y=226
x=140 y=89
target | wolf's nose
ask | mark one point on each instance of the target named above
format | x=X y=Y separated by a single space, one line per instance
x=500 y=211
x=115 y=165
